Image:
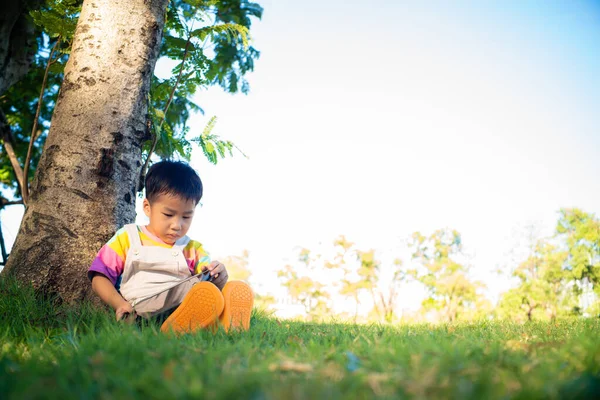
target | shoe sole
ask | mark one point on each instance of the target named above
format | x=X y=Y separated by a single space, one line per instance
x=239 y=300
x=200 y=308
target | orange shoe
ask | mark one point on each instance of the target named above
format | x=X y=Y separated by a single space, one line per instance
x=200 y=308
x=239 y=300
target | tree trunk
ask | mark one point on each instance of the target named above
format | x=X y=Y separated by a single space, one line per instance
x=84 y=187
x=374 y=297
x=530 y=313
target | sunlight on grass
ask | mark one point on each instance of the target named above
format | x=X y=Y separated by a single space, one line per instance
x=50 y=350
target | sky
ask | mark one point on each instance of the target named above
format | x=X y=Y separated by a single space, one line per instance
x=379 y=119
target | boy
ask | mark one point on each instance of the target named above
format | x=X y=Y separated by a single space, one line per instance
x=157 y=271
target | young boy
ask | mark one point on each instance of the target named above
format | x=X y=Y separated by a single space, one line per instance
x=157 y=271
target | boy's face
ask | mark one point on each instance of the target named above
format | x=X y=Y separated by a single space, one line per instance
x=170 y=217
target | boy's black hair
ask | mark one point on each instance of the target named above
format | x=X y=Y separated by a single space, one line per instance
x=174 y=178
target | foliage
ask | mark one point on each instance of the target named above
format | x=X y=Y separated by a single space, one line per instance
x=544 y=290
x=343 y=259
x=370 y=273
x=237 y=266
x=55 y=26
x=217 y=53
x=551 y=282
x=303 y=288
x=212 y=145
x=264 y=303
x=209 y=42
x=58 y=18
x=347 y=272
x=581 y=233
x=46 y=348
x=451 y=291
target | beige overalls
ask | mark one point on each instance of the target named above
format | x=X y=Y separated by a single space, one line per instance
x=155 y=278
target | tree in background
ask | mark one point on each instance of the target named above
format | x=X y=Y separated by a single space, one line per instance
x=264 y=302
x=544 y=289
x=344 y=260
x=237 y=266
x=383 y=294
x=552 y=274
x=238 y=269
x=451 y=292
x=111 y=115
x=302 y=288
x=349 y=273
x=580 y=232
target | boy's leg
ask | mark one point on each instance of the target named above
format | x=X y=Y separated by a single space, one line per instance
x=200 y=308
x=161 y=317
x=239 y=300
x=165 y=302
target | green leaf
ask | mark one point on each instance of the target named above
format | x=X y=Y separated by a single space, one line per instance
x=210 y=147
x=4 y=174
x=209 y=127
x=159 y=113
x=172 y=41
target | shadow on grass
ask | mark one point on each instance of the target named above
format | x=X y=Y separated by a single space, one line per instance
x=25 y=313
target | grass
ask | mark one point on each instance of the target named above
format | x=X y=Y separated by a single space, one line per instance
x=51 y=351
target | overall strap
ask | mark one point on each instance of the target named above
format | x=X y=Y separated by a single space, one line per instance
x=134 y=236
x=135 y=246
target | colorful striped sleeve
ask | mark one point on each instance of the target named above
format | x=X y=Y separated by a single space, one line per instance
x=111 y=257
x=196 y=257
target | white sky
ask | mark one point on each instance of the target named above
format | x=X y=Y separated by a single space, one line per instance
x=375 y=120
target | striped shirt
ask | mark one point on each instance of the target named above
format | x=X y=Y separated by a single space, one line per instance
x=110 y=260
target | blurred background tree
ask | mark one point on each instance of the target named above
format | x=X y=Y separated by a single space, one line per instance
x=451 y=291
x=303 y=286
x=579 y=232
x=552 y=277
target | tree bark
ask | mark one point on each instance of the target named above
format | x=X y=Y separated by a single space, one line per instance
x=84 y=186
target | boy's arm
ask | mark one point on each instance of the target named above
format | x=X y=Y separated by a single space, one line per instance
x=201 y=262
x=104 y=288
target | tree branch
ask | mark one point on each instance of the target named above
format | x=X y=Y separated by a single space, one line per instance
x=374 y=297
x=25 y=187
x=155 y=139
x=5 y=202
x=8 y=145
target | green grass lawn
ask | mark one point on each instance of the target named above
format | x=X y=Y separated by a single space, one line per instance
x=49 y=351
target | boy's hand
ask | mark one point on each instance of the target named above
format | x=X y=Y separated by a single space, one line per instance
x=104 y=288
x=218 y=273
x=123 y=309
